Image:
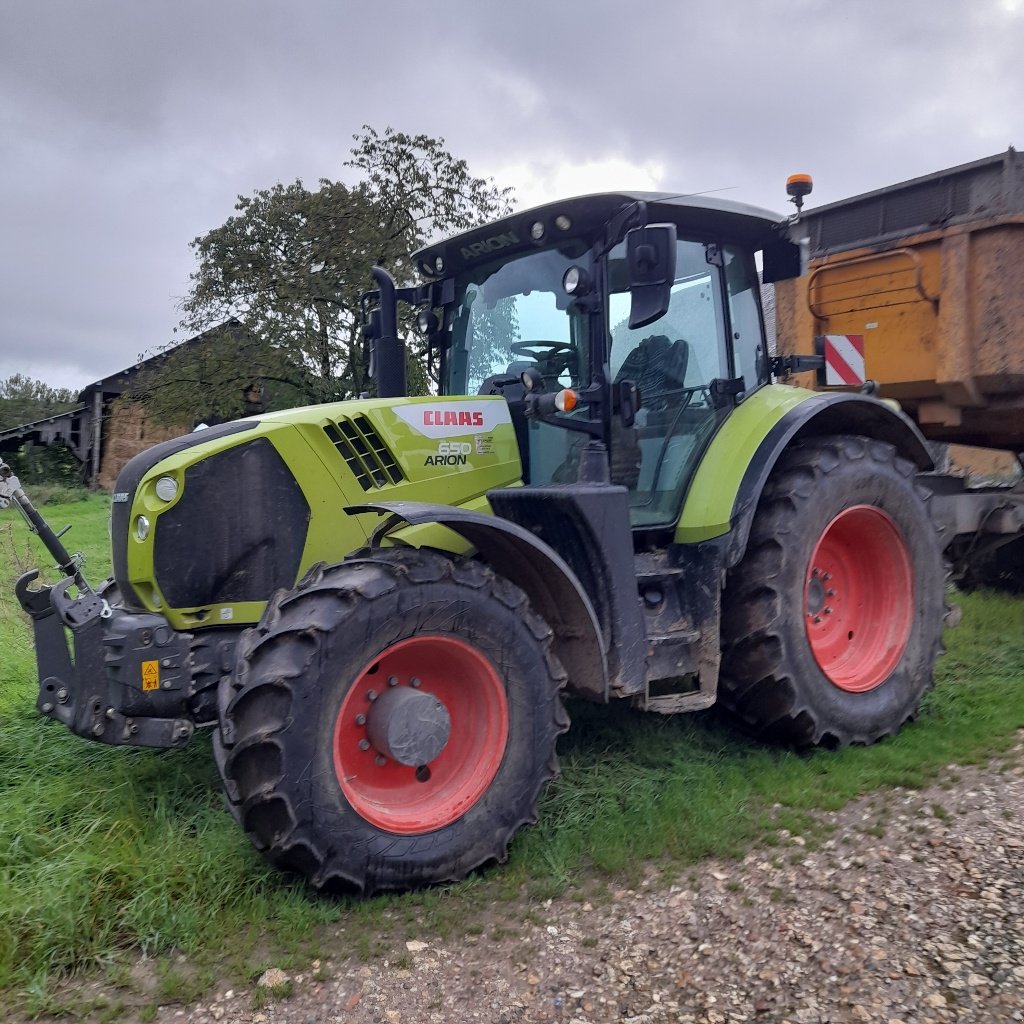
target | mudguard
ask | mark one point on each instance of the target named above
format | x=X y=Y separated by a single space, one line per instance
x=728 y=484
x=529 y=563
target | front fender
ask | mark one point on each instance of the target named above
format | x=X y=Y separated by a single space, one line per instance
x=537 y=569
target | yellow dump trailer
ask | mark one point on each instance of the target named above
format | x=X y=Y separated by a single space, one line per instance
x=919 y=287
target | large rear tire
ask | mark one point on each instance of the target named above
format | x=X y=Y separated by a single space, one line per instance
x=391 y=722
x=832 y=621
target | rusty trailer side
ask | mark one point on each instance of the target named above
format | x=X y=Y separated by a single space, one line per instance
x=930 y=274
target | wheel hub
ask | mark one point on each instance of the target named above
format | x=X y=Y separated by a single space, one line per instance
x=421 y=734
x=815 y=593
x=409 y=726
x=859 y=598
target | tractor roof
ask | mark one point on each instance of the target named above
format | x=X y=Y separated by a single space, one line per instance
x=583 y=216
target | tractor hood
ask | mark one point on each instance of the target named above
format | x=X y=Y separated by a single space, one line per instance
x=207 y=526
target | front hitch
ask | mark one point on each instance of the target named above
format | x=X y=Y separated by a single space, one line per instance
x=128 y=683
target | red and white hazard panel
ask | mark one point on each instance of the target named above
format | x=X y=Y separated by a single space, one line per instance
x=844 y=359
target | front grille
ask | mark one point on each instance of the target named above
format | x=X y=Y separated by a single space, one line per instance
x=364 y=452
x=236 y=533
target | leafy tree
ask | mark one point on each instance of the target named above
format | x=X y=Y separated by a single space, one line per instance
x=24 y=400
x=220 y=375
x=53 y=463
x=291 y=264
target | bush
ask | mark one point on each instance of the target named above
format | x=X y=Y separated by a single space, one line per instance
x=48 y=464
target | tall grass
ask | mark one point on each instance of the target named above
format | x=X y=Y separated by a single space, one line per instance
x=107 y=852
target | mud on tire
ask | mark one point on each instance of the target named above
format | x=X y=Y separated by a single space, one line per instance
x=301 y=774
x=811 y=660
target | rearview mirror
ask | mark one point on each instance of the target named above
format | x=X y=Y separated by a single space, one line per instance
x=651 y=261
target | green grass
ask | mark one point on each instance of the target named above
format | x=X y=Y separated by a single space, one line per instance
x=107 y=853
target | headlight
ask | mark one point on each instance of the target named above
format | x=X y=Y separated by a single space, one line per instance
x=166 y=488
x=141 y=527
x=576 y=281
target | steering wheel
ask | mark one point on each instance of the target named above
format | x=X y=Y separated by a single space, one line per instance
x=541 y=350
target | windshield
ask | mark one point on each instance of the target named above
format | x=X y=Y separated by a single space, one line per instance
x=512 y=315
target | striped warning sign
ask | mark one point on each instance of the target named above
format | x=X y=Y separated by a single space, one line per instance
x=844 y=359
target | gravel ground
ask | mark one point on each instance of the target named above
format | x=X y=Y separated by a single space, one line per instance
x=909 y=911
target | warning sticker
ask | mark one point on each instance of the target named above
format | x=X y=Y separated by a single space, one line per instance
x=151 y=675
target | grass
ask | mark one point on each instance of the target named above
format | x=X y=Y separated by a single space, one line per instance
x=107 y=854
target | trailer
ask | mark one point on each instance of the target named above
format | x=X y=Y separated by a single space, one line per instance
x=915 y=292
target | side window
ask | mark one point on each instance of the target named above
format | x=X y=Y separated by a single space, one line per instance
x=694 y=317
x=747 y=340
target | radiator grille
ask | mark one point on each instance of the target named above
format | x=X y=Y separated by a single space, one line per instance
x=364 y=452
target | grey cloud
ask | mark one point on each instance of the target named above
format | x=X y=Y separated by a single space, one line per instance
x=127 y=128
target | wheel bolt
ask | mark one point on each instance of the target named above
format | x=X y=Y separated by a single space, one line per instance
x=415 y=683
x=817 y=618
x=360 y=719
x=371 y=695
x=830 y=593
x=392 y=680
x=380 y=760
x=828 y=611
x=364 y=744
x=828 y=576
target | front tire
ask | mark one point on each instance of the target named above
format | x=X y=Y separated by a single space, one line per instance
x=391 y=722
x=832 y=621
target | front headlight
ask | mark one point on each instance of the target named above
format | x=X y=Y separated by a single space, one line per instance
x=166 y=488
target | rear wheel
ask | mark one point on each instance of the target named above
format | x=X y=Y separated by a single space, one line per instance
x=832 y=621
x=391 y=722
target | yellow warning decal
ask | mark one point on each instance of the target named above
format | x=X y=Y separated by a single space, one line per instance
x=151 y=675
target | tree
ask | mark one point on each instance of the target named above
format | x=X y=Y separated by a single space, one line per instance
x=220 y=375
x=24 y=400
x=292 y=264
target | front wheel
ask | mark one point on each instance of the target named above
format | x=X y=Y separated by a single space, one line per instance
x=391 y=722
x=832 y=621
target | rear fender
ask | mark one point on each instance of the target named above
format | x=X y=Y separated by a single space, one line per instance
x=537 y=569
x=737 y=464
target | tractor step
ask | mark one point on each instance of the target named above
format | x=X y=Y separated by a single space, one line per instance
x=679 y=703
x=674 y=669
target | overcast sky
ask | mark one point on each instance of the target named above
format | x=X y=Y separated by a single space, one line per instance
x=128 y=127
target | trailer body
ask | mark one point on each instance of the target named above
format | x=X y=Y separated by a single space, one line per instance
x=929 y=275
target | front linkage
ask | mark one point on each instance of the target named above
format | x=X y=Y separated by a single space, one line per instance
x=129 y=682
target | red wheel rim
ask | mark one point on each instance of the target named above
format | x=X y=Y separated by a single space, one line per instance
x=859 y=598
x=413 y=799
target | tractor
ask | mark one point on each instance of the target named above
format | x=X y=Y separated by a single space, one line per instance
x=376 y=606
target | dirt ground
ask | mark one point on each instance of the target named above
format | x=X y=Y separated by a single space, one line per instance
x=909 y=912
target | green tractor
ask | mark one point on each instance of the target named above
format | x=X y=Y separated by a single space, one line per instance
x=377 y=605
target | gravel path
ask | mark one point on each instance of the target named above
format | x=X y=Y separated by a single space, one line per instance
x=910 y=911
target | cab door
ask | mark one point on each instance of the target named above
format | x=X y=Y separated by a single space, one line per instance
x=673 y=362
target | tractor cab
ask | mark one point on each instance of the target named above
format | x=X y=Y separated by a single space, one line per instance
x=628 y=320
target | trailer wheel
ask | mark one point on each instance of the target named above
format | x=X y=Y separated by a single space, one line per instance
x=832 y=621
x=391 y=722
